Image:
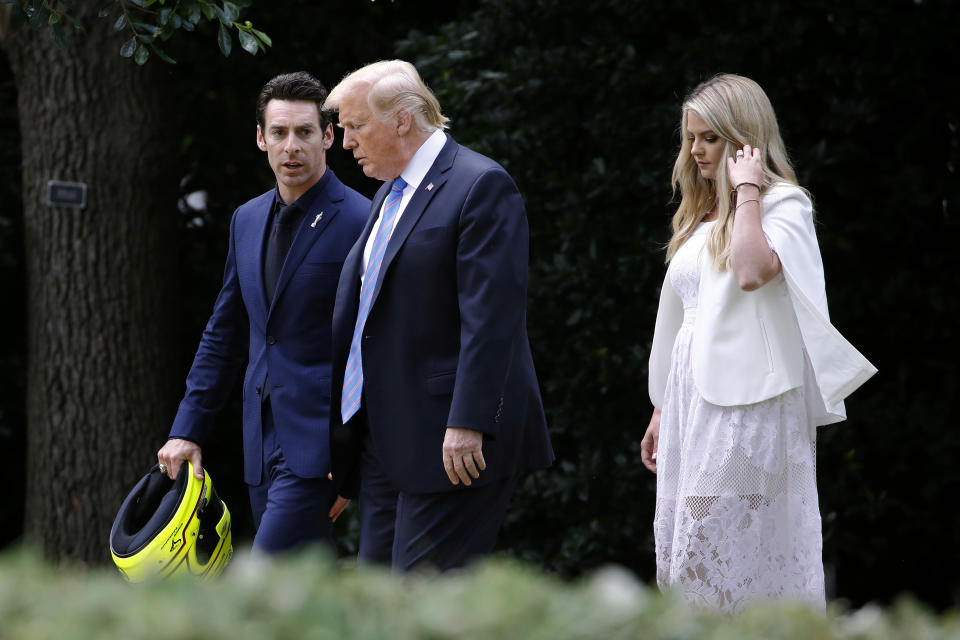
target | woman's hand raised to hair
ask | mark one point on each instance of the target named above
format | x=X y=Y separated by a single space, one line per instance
x=747 y=166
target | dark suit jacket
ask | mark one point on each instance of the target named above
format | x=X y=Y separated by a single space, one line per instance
x=445 y=343
x=289 y=339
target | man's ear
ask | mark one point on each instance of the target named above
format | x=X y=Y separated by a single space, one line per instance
x=404 y=123
x=260 y=141
x=328 y=136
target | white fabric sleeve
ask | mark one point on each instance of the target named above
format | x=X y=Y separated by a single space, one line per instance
x=788 y=225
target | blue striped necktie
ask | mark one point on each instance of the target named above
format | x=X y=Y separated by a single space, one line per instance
x=353 y=375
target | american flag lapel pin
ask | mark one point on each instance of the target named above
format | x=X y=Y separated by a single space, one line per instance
x=318 y=219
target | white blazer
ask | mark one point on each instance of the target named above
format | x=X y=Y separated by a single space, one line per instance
x=749 y=346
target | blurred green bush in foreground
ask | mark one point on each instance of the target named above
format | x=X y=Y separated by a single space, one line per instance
x=309 y=596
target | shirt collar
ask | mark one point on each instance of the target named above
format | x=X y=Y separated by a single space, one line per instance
x=309 y=196
x=424 y=158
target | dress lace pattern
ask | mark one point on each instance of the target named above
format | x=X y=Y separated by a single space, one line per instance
x=737 y=517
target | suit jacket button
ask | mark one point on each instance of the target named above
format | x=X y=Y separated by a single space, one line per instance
x=258 y=390
x=271 y=340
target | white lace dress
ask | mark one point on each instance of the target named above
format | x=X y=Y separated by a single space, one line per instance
x=737 y=518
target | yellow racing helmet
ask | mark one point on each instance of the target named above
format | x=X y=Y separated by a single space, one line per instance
x=171 y=527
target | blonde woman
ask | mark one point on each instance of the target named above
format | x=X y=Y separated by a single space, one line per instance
x=744 y=364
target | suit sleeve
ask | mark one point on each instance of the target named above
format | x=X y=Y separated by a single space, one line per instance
x=491 y=265
x=220 y=357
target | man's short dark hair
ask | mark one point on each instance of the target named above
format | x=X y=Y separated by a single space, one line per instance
x=299 y=85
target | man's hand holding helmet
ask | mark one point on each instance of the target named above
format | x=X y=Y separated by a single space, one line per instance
x=175 y=451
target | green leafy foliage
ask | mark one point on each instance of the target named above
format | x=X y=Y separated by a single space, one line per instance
x=147 y=21
x=128 y=47
x=308 y=596
x=223 y=39
x=141 y=55
x=249 y=42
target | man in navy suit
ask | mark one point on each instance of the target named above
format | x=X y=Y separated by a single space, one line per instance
x=439 y=405
x=272 y=320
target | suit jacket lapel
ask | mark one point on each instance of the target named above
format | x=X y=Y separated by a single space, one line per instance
x=322 y=210
x=259 y=252
x=428 y=188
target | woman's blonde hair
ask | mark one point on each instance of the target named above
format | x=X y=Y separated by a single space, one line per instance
x=739 y=112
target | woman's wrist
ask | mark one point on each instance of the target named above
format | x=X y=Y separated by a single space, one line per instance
x=746 y=183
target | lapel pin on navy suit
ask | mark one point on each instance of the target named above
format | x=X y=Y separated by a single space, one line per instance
x=430 y=187
x=318 y=218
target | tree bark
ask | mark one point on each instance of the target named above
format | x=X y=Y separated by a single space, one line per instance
x=100 y=281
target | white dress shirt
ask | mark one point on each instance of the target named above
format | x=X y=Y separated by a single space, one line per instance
x=413 y=175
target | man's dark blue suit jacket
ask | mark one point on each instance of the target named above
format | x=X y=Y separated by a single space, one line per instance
x=289 y=339
x=445 y=343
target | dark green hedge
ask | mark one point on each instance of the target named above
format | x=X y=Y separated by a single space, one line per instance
x=308 y=596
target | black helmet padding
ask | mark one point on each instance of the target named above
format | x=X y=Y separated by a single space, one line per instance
x=146 y=510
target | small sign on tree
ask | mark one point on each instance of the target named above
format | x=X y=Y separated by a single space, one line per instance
x=67 y=194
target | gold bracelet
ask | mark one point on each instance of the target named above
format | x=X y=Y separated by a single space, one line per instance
x=745 y=202
x=751 y=184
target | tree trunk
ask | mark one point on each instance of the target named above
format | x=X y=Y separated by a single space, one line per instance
x=100 y=281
